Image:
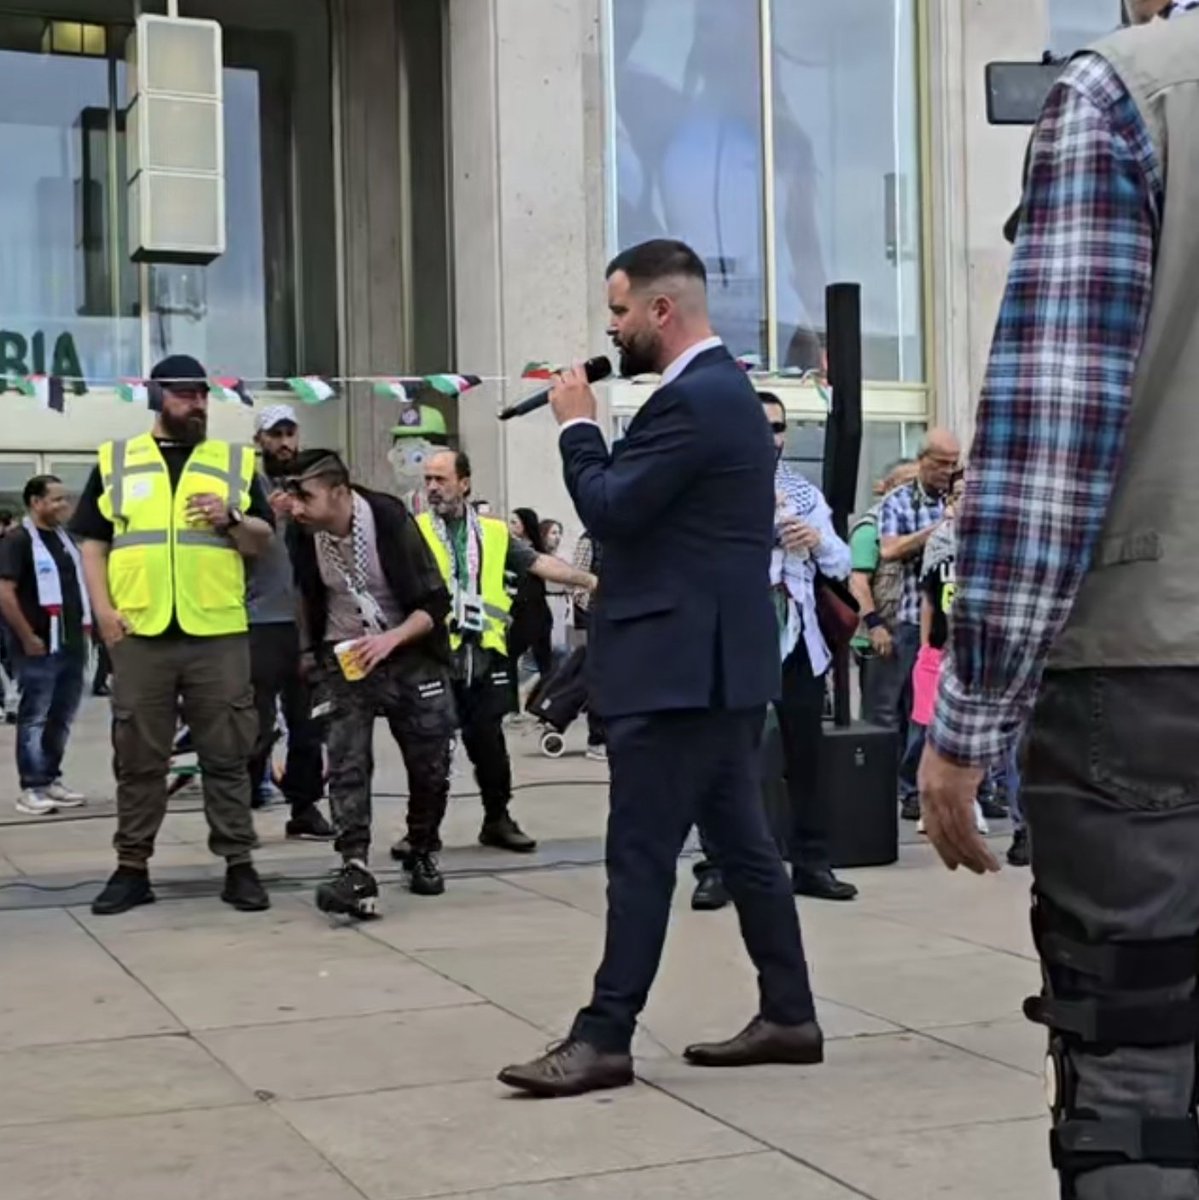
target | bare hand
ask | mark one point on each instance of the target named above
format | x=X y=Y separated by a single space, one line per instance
x=210 y=509
x=369 y=652
x=881 y=640
x=947 y=795
x=113 y=627
x=281 y=503
x=572 y=398
x=592 y=582
x=795 y=534
x=34 y=648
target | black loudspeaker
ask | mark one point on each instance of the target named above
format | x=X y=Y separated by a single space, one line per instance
x=858 y=784
x=843 y=432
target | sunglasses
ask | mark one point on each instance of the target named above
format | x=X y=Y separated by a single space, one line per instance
x=778 y=426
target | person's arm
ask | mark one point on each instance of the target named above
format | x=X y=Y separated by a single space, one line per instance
x=901 y=547
x=554 y=570
x=250 y=530
x=12 y=550
x=926 y=615
x=831 y=553
x=1054 y=407
x=112 y=626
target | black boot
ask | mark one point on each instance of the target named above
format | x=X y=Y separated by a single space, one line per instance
x=243 y=889
x=821 y=884
x=424 y=875
x=1018 y=852
x=127 y=888
x=309 y=824
x=503 y=833
x=710 y=894
x=354 y=893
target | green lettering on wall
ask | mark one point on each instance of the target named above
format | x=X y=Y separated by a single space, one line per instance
x=66 y=363
x=38 y=353
x=13 y=348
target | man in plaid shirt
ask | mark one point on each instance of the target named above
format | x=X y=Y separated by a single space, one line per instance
x=1079 y=552
x=906 y=519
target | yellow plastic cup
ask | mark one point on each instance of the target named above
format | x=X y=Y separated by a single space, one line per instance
x=348 y=661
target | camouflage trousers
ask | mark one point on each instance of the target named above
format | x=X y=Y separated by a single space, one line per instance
x=418 y=705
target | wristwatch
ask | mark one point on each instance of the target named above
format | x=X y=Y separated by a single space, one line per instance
x=236 y=517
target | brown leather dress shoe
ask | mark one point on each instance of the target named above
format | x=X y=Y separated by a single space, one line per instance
x=762 y=1042
x=569 y=1069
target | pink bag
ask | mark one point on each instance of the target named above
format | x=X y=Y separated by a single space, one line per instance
x=925 y=677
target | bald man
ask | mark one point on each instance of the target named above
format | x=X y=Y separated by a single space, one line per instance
x=906 y=519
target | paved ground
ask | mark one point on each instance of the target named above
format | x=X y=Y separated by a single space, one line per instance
x=188 y=1051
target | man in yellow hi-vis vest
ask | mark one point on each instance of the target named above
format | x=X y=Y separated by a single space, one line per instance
x=165 y=521
x=477 y=557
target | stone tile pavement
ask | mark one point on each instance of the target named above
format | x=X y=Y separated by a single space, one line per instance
x=190 y=1052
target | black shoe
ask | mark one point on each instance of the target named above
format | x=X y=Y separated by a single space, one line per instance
x=570 y=1069
x=1018 y=853
x=504 y=833
x=424 y=875
x=10 y=718
x=309 y=825
x=993 y=809
x=127 y=888
x=762 y=1042
x=909 y=810
x=822 y=885
x=710 y=894
x=354 y=893
x=101 y=690
x=243 y=889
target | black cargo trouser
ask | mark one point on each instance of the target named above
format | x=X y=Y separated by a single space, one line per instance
x=482 y=704
x=1111 y=796
x=275 y=671
x=208 y=679
x=418 y=705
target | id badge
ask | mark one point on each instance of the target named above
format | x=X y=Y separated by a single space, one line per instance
x=470 y=613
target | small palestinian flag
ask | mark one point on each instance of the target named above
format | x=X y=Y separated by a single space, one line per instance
x=232 y=391
x=47 y=390
x=393 y=389
x=749 y=362
x=133 y=391
x=452 y=385
x=312 y=389
x=538 y=370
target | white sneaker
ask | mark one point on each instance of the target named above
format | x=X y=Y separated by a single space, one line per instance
x=64 y=796
x=597 y=753
x=980 y=822
x=920 y=825
x=36 y=804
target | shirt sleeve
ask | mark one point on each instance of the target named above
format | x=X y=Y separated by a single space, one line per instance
x=88 y=522
x=833 y=555
x=1054 y=406
x=521 y=557
x=12 y=555
x=890 y=517
x=864 y=548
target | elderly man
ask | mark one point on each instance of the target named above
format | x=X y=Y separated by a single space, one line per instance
x=906 y=519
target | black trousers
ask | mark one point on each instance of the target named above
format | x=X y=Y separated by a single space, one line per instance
x=1111 y=797
x=670 y=770
x=275 y=674
x=800 y=711
x=481 y=707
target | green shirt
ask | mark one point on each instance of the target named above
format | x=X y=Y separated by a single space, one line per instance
x=864 y=553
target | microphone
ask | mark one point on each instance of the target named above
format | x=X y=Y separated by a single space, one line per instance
x=596 y=368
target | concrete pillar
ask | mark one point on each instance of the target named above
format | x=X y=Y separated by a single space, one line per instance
x=528 y=145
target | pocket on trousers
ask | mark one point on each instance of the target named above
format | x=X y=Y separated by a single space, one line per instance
x=428 y=708
x=1144 y=749
x=243 y=726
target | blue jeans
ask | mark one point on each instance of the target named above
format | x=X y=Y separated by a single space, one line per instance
x=51 y=688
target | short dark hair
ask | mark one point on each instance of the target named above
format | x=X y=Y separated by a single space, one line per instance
x=37 y=488
x=321 y=464
x=462 y=464
x=771 y=398
x=659 y=259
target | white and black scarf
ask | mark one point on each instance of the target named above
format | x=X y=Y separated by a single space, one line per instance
x=354 y=573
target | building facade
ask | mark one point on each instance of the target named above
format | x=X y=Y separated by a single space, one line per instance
x=416 y=186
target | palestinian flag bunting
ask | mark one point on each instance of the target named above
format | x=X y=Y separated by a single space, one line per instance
x=538 y=370
x=452 y=385
x=393 y=389
x=47 y=390
x=311 y=389
x=134 y=391
x=232 y=391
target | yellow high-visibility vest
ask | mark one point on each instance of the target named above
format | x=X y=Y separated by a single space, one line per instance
x=158 y=564
x=497 y=603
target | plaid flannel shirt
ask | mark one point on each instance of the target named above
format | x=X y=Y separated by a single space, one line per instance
x=908 y=510
x=1054 y=406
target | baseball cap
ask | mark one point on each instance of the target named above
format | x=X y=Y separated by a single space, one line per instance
x=180 y=368
x=275 y=414
x=419 y=420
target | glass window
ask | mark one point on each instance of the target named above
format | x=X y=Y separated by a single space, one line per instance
x=847 y=177
x=1076 y=23
x=688 y=101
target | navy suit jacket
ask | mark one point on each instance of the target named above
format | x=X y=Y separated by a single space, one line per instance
x=684 y=508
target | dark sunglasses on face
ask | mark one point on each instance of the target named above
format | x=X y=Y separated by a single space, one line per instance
x=778 y=426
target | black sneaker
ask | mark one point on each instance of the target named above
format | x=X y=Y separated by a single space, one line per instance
x=243 y=889
x=127 y=888
x=309 y=824
x=1018 y=853
x=402 y=851
x=354 y=893
x=993 y=808
x=424 y=875
x=505 y=834
x=909 y=810
x=710 y=894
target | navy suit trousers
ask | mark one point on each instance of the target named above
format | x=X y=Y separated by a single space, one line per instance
x=671 y=770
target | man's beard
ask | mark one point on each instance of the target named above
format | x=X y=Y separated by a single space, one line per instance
x=638 y=357
x=191 y=430
x=446 y=508
x=277 y=466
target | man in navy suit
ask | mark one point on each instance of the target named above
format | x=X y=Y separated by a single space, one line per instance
x=684 y=654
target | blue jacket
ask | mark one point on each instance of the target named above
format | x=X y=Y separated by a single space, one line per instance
x=684 y=507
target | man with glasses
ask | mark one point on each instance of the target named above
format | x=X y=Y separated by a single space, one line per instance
x=906 y=519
